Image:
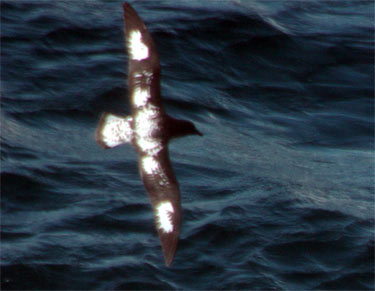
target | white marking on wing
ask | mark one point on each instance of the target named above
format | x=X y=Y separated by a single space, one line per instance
x=150 y=146
x=141 y=96
x=164 y=212
x=148 y=76
x=144 y=73
x=137 y=49
x=150 y=165
x=116 y=130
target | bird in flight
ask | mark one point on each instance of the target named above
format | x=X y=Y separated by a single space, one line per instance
x=149 y=129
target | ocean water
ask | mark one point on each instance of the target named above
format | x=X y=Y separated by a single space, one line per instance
x=277 y=194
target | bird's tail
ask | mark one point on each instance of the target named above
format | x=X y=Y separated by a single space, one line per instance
x=114 y=130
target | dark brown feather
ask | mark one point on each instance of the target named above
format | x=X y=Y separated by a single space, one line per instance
x=139 y=67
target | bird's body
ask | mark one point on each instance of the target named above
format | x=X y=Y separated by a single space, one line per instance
x=149 y=129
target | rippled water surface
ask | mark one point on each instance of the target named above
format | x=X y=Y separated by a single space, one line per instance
x=278 y=194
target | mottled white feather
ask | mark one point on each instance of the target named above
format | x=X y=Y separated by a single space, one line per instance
x=137 y=49
x=164 y=212
x=141 y=96
x=115 y=130
x=150 y=165
x=145 y=123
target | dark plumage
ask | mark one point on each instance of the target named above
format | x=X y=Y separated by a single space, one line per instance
x=149 y=130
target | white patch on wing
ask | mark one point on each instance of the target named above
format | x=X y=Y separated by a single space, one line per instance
x=164 y=214
x=150 y=165
x=141 y=96
x=137 y=49
x=115 y=130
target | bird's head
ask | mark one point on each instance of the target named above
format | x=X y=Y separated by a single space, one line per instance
x=191 y=129
x=181 y=128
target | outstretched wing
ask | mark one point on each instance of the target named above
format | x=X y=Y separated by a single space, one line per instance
x=144 y=66
x=162 y=188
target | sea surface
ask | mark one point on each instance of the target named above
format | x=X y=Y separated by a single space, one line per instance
x=277 y=194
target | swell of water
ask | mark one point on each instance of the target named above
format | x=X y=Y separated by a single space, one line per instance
x=278 y=194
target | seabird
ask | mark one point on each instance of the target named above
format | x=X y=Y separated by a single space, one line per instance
x=149 y=129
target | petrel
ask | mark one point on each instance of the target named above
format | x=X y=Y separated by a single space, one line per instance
x=149 y=129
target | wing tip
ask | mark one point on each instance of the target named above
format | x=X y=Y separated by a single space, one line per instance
x=127 y=8
x=168 y=223
x=168 y=261
x=169 y=244
x=125 y=5
x=169 y=251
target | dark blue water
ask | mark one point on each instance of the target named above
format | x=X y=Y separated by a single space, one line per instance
x=278 y=194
